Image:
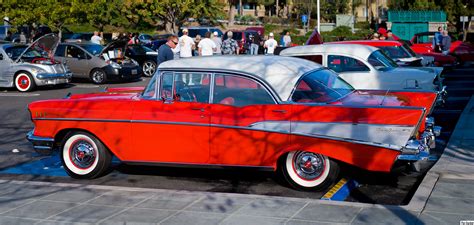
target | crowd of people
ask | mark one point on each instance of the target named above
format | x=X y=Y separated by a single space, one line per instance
x=211 y=44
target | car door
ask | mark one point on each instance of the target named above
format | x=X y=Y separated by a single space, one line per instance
x=77 y=61
x=174 y=127
x=353 y=71
x=4 y=69
x=248 y=127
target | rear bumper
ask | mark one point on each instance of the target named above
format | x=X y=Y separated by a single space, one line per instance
x=40 y=144
x=416 y=150
x=124 y=73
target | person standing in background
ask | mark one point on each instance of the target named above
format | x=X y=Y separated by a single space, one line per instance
x=218 y=41
x=270 y=44
x=206 y=46
x=196 y=43
x=445 y=43
x=165 y=52
x=437 y=40
x=229 y=45
x=287 y=40
x=96 y=39
x=186 y=45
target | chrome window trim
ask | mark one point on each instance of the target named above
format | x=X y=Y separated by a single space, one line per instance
x=365 y=62
x=267 y=86
x=392 y=147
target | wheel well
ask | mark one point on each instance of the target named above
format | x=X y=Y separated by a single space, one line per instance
x=22 y=71
x=59 y=137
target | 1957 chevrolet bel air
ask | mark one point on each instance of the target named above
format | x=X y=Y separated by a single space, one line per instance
x=278 y=113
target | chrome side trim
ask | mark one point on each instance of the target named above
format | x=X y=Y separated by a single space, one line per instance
x=252 y=127
x=196 y=165
x=53 y=76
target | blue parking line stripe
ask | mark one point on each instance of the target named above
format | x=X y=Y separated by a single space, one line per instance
x=49 y=166
x=341 y=190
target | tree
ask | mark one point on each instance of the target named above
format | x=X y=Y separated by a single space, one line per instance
x=174 y=13
x=56 y=17
x=424 y=5
x=100 y=13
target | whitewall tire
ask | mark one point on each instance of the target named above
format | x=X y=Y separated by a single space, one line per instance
x=24 y=82
x=309 y=171
x=84 y=156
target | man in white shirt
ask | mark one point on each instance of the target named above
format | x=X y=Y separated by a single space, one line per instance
x=218 y=41
x=96 y=39
x=186 y=45
x=270 y=44
x=206 y=46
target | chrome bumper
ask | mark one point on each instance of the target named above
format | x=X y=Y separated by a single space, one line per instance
x=41 y=145
x=416 y=150
x=43 y=76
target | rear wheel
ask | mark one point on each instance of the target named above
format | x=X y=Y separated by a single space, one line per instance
x=309 y=171
x=149 y=68
x=24 y=82
x=84 y=156
x=98 y=76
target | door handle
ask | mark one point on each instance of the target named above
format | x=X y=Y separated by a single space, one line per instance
x=279 y=110
x=200 y=109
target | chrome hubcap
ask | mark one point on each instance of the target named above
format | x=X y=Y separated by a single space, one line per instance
x=308 y=166
x=83 y=154
x=149 y=69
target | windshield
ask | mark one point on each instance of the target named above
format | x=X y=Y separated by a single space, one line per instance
x=381 y=61
x=395 y=52
x=15 y=51
x=321 y=86
x=93 y=49
x=409 y=50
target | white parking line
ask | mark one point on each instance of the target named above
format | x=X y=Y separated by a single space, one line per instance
x=87 y=86
x=5 y=94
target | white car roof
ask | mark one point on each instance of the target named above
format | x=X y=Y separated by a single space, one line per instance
x=281 y=73
x=361 y=51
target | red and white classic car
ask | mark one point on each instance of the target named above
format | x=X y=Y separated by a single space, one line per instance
x=268 y=112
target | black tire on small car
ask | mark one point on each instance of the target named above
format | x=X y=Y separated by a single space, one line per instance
x=24 y=82
x=98 y=76
x=308 y=171
x=84 y=156
x=149 y=68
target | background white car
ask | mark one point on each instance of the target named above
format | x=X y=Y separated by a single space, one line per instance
x=367 y=67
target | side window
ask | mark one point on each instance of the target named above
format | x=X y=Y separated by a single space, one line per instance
x=166 y=87
x=192 y=87
x=150 y=89
x=75 y=52
x=60 y=50
x=239 y=91
x=314 y=58
x=345 y=64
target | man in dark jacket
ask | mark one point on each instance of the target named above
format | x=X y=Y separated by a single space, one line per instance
x=446 y=42
x=164 y=52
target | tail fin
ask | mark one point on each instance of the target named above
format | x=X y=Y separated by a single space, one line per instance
x=315 y=38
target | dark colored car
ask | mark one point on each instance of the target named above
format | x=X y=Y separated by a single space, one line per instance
x=146 y=58
x=157 y=41
x=242 y=37
x=99 y=64
x=194 y=31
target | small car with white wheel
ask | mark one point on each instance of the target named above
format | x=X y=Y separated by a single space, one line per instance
x=25 y=67
x=96 y=63
x=281 y=114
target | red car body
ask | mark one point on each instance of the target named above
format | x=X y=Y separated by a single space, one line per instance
x=422 y=44
x=153 y=127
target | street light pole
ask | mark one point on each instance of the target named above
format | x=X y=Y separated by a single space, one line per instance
x=319 y=15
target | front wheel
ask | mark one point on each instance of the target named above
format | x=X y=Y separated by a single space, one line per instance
x=149 y=68
x=24 y=82
x=309 y=171
x=84 y=156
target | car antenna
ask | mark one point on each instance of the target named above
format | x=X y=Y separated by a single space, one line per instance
x=381 y=103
